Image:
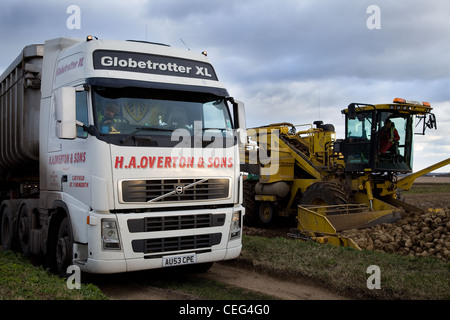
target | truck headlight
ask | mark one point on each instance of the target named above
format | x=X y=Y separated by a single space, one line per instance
x=235 y=228
x=110 y=235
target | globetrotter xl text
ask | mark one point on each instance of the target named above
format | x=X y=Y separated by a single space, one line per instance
x=154 y=64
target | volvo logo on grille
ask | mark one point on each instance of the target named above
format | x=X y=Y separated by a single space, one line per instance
x=179 y=190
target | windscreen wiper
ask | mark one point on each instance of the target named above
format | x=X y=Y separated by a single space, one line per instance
x=206 y=142
x=221 y=129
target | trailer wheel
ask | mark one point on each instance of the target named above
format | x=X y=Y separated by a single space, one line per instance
x=64 y=243
x=8 y=233
x=325 y=193
x=266 y=213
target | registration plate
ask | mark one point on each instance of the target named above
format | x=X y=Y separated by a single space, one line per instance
x=170 y=261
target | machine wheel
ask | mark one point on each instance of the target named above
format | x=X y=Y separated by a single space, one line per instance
x=249 y=203
x=24 y=230
x=64 y=242
x=8 y=232
x=325 y=193
x=266 y=213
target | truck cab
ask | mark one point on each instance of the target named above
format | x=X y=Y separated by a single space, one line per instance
x=138 y=159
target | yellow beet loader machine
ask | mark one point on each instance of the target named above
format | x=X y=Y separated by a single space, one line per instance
x=333 y=185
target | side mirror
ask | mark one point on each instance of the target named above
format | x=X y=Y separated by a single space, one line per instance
x=239 y=121
x=238 y=114
x=431 y=122
x=65 y=112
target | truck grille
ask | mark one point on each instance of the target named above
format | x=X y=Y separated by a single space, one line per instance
x=171 y=190
x=176 y=243
x=151 y=224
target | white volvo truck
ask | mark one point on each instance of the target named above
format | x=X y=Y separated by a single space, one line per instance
x=119 y=156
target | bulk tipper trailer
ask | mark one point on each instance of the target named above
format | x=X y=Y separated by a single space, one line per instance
x=119 y=156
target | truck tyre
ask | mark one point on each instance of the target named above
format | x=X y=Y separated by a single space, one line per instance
x=8 y=229
x=325 y=193
x=64 y=244
x=24 y=230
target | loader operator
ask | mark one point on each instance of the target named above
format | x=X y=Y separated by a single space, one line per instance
x=388 y=136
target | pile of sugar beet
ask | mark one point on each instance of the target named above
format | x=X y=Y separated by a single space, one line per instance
x=417 y=234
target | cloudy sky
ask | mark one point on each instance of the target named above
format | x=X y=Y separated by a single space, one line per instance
x=287 y=60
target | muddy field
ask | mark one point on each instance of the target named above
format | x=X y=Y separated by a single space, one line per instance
x=421 y=234
x=417 y=234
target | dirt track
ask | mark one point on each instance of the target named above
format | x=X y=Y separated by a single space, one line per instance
x=295 y=289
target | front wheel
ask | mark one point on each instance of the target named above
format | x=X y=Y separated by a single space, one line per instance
x=64 y=251
x=251 y=209
x=266 y=213
x=325 y=193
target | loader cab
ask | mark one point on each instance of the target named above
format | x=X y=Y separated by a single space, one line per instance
x=380 y=137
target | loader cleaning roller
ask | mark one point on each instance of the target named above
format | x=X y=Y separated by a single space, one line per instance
x=332 y=185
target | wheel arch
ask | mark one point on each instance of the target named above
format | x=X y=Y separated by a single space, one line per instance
x=59 y=211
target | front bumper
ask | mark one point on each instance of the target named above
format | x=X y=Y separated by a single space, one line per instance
x=142 y=249
x=118 y=266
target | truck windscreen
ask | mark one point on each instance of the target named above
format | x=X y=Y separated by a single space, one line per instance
x=147 y=117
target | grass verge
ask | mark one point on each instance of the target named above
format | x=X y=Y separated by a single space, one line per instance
x=20 y=280
x=345 y=270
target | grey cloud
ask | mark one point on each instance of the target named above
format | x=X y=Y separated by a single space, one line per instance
x=286 y=59
x=288 y=40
